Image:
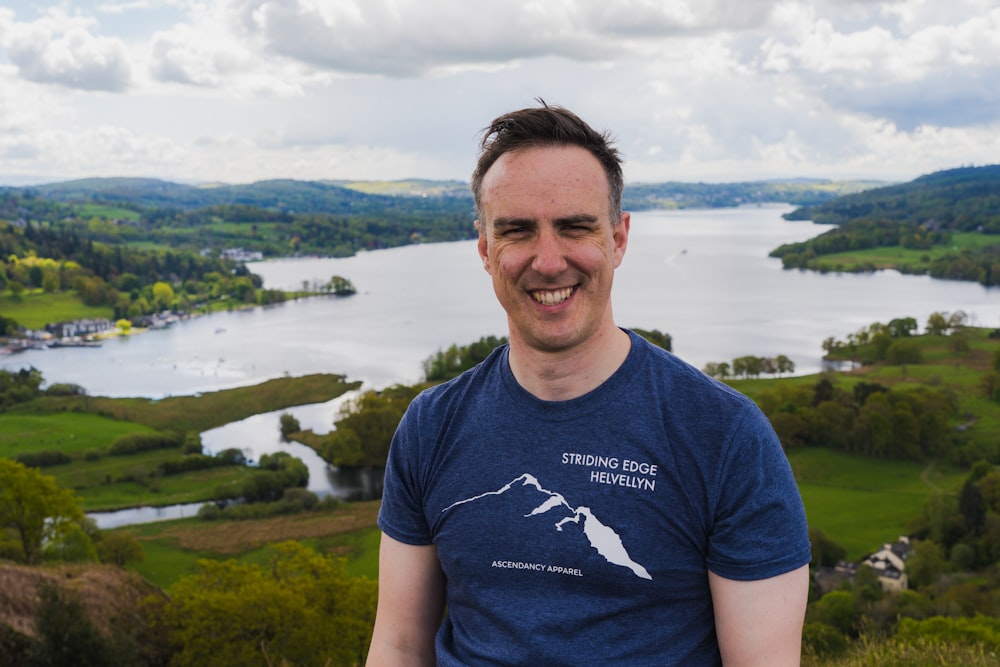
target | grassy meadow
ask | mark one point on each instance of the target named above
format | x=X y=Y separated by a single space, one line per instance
x=85 y=427
x=859 y=503
x=173 y=548
x=895 y=257
x=34 y=309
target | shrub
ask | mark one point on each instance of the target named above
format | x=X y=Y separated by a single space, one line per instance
x=66 y=635
x=823 y=641
x=43 y=459
x=134 y=443
x=65 y=389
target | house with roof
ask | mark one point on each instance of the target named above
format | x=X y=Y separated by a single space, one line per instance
x=889 y=564
x=79 y=328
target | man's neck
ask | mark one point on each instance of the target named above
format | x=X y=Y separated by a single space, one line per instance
x=561 y=376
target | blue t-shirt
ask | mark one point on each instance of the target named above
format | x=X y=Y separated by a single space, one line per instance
x=580 y=531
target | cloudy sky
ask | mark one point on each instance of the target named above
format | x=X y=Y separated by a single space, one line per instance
x=694 y=90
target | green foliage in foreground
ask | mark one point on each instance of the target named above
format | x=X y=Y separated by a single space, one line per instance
x=909 y=652
x=300 y=608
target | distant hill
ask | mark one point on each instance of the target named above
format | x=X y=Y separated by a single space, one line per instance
x=945 y=224
x=964 y=199
x=285 y=195
x=362 y=197
x=799 y=192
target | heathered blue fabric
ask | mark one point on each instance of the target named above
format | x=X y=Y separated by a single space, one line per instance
x=560 y=542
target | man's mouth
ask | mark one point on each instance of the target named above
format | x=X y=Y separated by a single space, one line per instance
x=552 y=297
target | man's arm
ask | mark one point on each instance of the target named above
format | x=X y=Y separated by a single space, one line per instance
x=760 y=622
x=410 y=605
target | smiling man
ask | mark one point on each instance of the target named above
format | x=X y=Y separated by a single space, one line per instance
x=581 y=496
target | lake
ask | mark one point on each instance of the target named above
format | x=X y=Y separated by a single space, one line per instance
x=702 y=276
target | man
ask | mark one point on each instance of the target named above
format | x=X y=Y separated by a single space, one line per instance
x=581 y=497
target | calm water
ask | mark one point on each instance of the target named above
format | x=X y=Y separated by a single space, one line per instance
x=702 y=276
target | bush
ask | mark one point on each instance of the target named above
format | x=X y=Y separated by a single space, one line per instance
x=144 y=442
x=210 y=512
x=43 y=459
x=192 y=443
x=119 y=548
x=903 y=352
x=823 y=641
x=191 y=463
x=300 y=499
x=289 y=425
x=65 y=389
x=66 y=635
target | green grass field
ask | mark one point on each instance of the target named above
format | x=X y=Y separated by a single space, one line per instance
x=861 y=503
x=69 y=432
x=34 y=309
x=897 y=257
x=106 y=212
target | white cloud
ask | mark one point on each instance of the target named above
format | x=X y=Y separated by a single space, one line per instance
x=60 y=49
x=713 y=90
x=908 y=70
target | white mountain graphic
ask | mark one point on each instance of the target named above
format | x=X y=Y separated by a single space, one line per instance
x=602 y=538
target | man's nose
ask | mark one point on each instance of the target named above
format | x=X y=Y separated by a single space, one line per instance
x=550 y=254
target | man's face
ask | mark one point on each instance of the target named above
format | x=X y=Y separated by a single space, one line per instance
x=547 y=240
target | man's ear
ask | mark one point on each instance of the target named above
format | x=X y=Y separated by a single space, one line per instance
x=481 y=246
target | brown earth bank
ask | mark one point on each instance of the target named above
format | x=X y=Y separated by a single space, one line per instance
x=107 y=593
x=115 y=599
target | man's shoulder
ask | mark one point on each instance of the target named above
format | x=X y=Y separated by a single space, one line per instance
x=485 y=371
x=679 y=377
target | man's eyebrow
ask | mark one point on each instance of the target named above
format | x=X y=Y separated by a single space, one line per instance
x=573 y=219
x=513 y=222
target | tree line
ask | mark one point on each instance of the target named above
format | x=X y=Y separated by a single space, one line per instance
x=749 y=366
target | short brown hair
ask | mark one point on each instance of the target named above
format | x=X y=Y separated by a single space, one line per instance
x=548 y=126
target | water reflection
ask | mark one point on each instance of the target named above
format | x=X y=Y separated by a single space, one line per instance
x=259 y=435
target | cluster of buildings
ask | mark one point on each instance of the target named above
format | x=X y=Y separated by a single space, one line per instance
x=79 y=333
x=889 y=564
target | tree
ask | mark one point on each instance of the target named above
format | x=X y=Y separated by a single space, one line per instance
x=902 y=327
x=825 y=552
x=926 y=563
x=656 y=337
x=785 y=365
x=66 y=635
x=937 y=324
x=35 y=508
x=289 y=425
x=301 y=608
x=341 y=286
x=163 y=295
x=119 y=548
x=835 y=609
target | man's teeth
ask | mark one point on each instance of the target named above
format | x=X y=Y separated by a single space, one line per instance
x=552 y=298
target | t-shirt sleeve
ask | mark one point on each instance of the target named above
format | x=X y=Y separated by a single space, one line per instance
x=401 y=515
x=759 y=528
